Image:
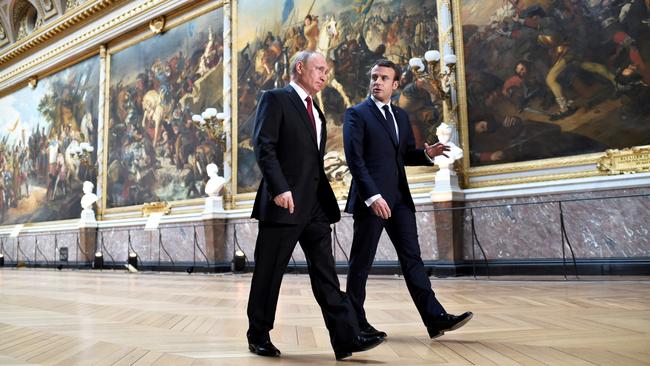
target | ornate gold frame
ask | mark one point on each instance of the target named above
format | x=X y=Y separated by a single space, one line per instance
x=53 y=70
x=144 y=32
x=467 y=171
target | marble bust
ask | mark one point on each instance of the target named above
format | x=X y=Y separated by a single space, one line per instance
x=444 y=137
x=215 y=183
x=89 y=198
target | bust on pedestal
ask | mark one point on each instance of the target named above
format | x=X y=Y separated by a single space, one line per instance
x=87 y=201
x=446 y=182
x=88 y=223
x=214 y=201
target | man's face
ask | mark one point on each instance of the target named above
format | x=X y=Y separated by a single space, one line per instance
x=521 y=70
x=481 y=127
x=382 y=83
x=312 y=74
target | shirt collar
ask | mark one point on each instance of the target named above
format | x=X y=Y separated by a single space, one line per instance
x=380 y=104
x=301 y=92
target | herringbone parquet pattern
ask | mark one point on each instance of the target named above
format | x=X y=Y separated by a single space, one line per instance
x=113 y=318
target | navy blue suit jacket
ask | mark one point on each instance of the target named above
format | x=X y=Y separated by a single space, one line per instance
x=376 y=161
x=290 y=160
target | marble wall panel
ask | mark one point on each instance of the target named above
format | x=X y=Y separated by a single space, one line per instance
x=598 y=226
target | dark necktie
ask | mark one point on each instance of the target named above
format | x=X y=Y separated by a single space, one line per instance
x=310 y=114
x=391 y=122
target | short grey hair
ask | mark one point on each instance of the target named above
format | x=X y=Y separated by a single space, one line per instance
x=301 y=56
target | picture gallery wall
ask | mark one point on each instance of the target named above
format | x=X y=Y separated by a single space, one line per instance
x=539 y=80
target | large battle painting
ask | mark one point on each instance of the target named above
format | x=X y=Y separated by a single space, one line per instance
x=156 y=152
x=556 y=78
x=48 y=140
x=352 y=34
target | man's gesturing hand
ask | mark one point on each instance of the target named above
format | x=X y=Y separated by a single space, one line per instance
x=380 y=208
x=436 y=149
x=285 y=200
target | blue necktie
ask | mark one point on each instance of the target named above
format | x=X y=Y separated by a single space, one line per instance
x=391 y=122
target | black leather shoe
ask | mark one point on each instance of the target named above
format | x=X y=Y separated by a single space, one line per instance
x=447 y=323
x=360 y=344
x=265 y=348
x=370 y=331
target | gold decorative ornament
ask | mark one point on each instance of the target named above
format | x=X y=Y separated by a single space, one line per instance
x=157 y=25
x=149 y=208
x=625 y=161
x=32 y=81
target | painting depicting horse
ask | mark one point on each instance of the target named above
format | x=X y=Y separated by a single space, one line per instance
x=549 y=79
x=156 y=152
x=48 y=144
x=352 y=35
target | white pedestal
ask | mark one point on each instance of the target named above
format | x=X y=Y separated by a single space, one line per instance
x=87 y=219
x=213 y=208
x=446 y=186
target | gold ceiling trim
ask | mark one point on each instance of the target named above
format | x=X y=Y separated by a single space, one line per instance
x=51 y=30
x=86 y=36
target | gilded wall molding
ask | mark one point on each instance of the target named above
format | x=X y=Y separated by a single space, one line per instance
x=56 y=27
x=535 y=179
x=87 y=36
x=563 y=162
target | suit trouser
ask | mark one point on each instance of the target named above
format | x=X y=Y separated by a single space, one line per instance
x=402 y=230
x=275 y=244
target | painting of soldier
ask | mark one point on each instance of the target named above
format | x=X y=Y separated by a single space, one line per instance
x=48 y=137
x=574 y=67
x=352 y=35
x=155 y=151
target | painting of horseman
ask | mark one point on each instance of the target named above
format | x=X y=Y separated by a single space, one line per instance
x=351 y=35
x=156 y=152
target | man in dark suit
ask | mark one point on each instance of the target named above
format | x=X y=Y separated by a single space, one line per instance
x=295 y=203
x=379 y=142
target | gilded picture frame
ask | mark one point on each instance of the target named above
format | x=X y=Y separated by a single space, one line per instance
x=196 y=59
x=587 y=115
x=259 y=50
x=50 y=124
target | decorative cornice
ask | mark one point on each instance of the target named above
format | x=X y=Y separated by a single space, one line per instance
x=51 y=30
x=81 y=38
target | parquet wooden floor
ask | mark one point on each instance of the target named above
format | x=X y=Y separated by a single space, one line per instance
x=113 y=318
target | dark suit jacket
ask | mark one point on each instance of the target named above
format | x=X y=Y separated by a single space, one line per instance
x=287 y=154
x=375 y=159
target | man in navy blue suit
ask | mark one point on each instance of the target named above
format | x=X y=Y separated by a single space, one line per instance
x=379 y=142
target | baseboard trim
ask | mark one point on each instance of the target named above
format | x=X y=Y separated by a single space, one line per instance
x=524 y=267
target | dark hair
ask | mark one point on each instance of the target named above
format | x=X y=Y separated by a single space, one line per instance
x=388 y=63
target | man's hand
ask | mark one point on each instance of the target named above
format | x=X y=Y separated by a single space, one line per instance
x=510 y=121
x=496 y=156
x=381 y=209
x=436 y=149
x=285 y=200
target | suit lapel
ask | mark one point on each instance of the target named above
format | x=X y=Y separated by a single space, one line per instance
x=390 y=130
x=401 y=125
x=302 y=110
x=323 y=129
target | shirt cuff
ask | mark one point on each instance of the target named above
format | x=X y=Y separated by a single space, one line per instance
x=372 y=199
x=428 y=157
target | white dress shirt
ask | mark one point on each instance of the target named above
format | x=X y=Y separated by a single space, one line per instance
x=380 y=105
x=303 y=95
